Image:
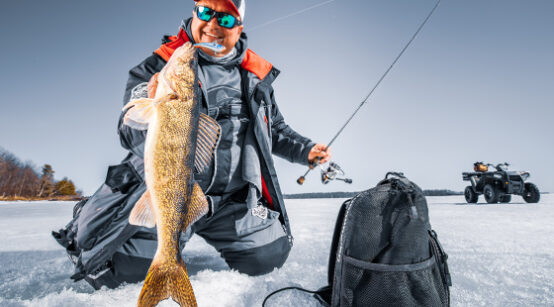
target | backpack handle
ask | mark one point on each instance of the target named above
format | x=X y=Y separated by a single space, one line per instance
x=398 y=177
x=396 y=174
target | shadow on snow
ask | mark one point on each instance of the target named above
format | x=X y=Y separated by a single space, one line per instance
x=33 y=274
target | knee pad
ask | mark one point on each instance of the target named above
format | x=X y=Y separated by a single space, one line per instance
x=260 y=260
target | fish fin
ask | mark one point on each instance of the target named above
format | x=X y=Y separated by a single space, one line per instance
x=208 y=135
x=198 y=206
x=165 y=280
x=142 y=214
x=135 y=125
x=140 y=113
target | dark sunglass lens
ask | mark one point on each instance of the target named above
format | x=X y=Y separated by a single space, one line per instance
x=226 y=20
x=204 y=13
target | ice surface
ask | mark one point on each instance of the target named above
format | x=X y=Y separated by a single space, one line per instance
x=500 y=255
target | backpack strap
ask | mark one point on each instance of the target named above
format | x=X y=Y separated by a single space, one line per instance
x=324 y=294
x=398 y=181
x=335 y=241
x=393 y=178
x=316 y=293
x=442 y=257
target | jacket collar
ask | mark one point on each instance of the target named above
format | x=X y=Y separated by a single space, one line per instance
x=250 y=60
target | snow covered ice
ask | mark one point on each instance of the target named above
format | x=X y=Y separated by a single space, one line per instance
x=499 y=255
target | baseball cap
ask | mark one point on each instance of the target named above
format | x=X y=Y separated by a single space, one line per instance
x=238 y=6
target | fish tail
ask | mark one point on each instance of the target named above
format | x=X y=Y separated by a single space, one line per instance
x=165 y=280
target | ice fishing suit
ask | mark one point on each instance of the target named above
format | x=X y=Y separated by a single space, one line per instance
x=107 y=250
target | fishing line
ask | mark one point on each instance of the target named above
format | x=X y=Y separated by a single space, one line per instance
x=302 y=178
x=250 y=29
x=386 y=72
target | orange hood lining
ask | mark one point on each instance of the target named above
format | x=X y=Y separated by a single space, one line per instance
x=251 y=61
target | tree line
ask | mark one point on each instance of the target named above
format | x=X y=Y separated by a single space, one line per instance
x=440 y=192
x=21 y=180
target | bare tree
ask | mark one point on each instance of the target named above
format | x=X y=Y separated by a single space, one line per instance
x=19 y=179
x=31 y=183
x=9 y=173
x=16 y=178
x=46 y=181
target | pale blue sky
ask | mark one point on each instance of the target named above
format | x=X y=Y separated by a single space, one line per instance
x=477 y=84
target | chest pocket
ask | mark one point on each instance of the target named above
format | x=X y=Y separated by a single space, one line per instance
x=263 y=98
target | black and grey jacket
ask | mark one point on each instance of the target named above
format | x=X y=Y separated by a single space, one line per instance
x=100 y=226
x=272 y=134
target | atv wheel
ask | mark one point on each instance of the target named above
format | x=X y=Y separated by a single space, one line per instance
x=505 y=198
x=491 y=194
x=471 y=196
x=531 y=193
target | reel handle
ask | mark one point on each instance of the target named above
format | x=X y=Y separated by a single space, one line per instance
x=315 y=163
x=311 y=166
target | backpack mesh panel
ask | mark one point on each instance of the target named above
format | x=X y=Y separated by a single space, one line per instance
x=366 y=287
x=375 y=234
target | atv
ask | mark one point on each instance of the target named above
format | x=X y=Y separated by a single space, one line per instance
x=498 y=185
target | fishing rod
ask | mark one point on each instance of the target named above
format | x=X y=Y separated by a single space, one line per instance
x=316 y=161
x=256 y=27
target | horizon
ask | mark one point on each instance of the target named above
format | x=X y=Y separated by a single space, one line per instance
x=37 y=170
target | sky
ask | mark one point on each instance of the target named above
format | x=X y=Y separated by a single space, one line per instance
x=476 y=85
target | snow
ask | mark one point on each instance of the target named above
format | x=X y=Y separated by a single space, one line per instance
x=499 y=255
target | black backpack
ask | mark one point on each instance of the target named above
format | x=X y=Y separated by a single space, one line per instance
x=384 y=252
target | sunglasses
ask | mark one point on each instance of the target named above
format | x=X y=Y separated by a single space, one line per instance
x=223 y=19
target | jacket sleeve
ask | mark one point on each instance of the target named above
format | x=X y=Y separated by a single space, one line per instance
x=287 y=143
x=133 y=139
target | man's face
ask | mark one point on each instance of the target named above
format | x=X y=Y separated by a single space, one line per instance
x=211 y=31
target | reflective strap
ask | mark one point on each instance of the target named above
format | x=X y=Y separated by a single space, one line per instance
x=228 y=110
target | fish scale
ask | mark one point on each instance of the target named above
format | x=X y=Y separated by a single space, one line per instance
x=172 y=200
x=170 y=184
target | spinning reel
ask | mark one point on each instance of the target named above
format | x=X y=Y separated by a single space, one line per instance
x=332 y=172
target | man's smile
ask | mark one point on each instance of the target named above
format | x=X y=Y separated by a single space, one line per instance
x=215 y=36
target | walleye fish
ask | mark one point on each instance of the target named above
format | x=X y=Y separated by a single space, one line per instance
x=179 y=138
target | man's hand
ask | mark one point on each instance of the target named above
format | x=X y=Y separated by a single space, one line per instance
x=153 y=85
x=319 y=151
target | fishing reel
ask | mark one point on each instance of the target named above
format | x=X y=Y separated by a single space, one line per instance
x=332 y=172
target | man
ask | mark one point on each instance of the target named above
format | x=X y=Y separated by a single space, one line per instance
x=247 y=222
